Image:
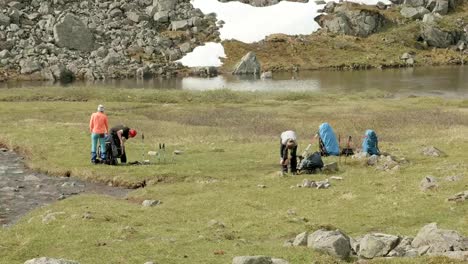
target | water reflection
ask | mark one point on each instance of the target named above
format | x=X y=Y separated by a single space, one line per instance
x=428 y=80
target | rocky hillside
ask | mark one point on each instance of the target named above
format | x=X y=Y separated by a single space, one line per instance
x=353 y=36
x=68 y=39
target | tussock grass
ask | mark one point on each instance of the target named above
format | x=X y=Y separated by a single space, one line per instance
x=230 y=144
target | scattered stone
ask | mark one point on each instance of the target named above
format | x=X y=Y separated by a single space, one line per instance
x=72 y=33
x=372 y=160
x=151 y=203
x=333 y=242
x=87 y=216
x=459 y=197
x=45 y=260
x=336 y=178
x=438 y=240
x=300 y=240
x=248 y=65
x=50 y=217
x=266 y=75
x=323 y=184
x=404 y=249
x=261 y=186
x=428 y=183
x=377 y=245
x=252 y=260
x=307 y=184
x=331 y=167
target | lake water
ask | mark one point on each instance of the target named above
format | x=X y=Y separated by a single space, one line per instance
x=443 y=81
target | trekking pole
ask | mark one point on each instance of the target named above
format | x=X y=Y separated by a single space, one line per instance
x=143 y=147
x=306 y=151
x=164 y=152
x=159 y=153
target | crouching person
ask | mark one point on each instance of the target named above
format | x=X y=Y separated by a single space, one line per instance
x=118 y=136
x=288 y=140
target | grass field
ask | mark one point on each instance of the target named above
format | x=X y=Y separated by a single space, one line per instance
x=230 y=145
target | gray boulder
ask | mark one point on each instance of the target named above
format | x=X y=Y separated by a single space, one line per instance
x=29 y=66
x=300 y=240
x=70 y=32
x=350 y=19
x=441 y=7
x=413 y=12
x=377 y=245
x=4 y=20
x=150 y=203
x=180 y=25
x=431 y=18
x=252 y=260
x=428 y=183
x=44 y=260
x=5 y=54
x=161 y=17
x=332 y=242
x=459 y=197
x=439 y=240
x=267 y=75
x=414 y=3
x=438 y=38
x=248 y=65
x=432 y=152
x=165 y=5
x=404 y=249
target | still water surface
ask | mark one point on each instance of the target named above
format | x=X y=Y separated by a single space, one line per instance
x=445 y=81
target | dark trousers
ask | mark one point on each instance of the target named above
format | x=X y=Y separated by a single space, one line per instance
x=117 y=149
x=293 y=161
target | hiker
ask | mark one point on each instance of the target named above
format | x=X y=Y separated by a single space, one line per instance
x=118 y=135
x=370 y=143
x=327 y=141
x=288 y=143
x=99 y=129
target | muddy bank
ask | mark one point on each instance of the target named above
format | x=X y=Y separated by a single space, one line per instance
x=22 y=190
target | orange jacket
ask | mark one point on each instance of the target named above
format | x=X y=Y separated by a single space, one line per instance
x=98 y=123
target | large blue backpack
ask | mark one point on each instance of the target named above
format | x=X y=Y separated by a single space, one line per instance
x=370 y=144
x=328 y=138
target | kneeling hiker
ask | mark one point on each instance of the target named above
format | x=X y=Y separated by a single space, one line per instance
x=118 y=135
x=288 y=143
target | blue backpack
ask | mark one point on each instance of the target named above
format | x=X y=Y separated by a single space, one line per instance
x=370 y=144
x=328 y=138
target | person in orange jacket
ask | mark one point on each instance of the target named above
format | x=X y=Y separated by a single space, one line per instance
x=99 y=128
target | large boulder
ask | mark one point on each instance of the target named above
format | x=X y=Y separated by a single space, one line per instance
x=377 y=245
x=439 y=240
x=70 y=32
x=441 y=7
x=414 y=12
x=350 y=19
x=414 y=3
x=29 y=66
x=404 y=249
x=438 y=38
x=252 y=260
x=332 y=242
x=248 y=65
x=44 y=260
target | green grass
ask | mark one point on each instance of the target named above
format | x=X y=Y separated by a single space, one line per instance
x=230 y=144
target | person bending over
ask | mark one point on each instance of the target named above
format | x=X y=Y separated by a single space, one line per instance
x=288 y=140
x=118 y=135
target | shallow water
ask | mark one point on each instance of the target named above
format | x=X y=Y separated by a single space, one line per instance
x=443 y=81
x=22 y=191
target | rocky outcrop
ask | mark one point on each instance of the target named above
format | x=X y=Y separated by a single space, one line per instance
x=352 y=19
x=436 y=37
x=50 y=261
x=334 y=243
x=377 y=245
x=439 y=240
x=100 y=40
x=248 y=65
x=260 y=3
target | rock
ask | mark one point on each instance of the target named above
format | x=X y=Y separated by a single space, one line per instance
x=44 y=9
x=215 y=223
x=45 y=260
x=179 y=25
x=329 y=7
x=413 y=12
x=62 y=74
x=337 y=178
x=352 y=19
x=300 y=240
x=373 y=160
x=432 y=152
x=428 y=183
x=165 y=5
x=87 y=216
x=323 y=184
x=5 y=54
x=4 y=20
x=459 y=197
x=438 y=240
x=403 y=249
x=381 y=5
x=438 y=38
x=355 y=244
x=50 y=217
x=113 y=58
x=248 y=65
x=333 y=242
x=70 y=32
x=414 y=3
x=161 y=17
x=136 y=17
x=308 y=184
x=252 y=260
x=331 y=167
x=266 y=75
x=29 y=66
x=151 y=203
x=279 y=261
x=441 y=7
x=377 y=245
x=431 y=18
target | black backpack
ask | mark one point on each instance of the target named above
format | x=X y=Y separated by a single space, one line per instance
x=311 y=163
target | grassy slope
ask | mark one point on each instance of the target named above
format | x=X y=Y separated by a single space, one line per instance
x=324 y=50
x=230 y=147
